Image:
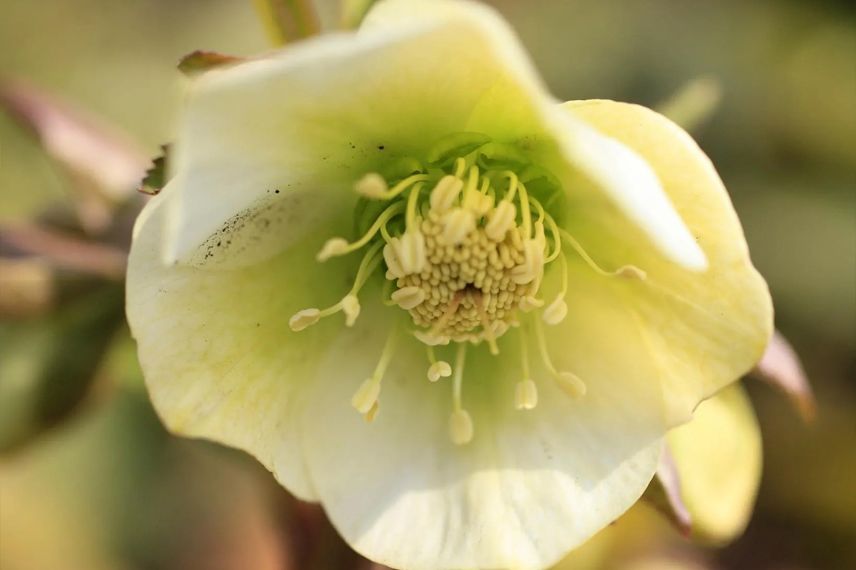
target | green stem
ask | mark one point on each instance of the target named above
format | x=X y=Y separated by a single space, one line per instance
x=287 y=20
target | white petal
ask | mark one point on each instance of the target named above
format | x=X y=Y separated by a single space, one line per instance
x=219 y=359
x=313 y=119
x=529 y=486
x=633 y=186
x=703 y=330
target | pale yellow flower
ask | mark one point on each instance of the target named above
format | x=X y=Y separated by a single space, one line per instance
x=531 y=293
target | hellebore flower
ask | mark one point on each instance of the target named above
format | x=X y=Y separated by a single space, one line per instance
x=531 y=293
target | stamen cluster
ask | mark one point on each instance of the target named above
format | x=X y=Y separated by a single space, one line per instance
x=465 y=250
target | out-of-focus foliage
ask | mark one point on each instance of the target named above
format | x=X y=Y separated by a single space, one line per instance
x=107 y=488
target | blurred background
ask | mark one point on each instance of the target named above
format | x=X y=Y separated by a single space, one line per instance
x=89 y=480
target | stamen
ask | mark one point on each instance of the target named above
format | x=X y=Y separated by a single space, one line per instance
x=338 y=246
x=439 y=368
x=525 y=213
x=525 y=392
x=501 y=220
x=525 y=395
x=373 y=186
x=409 y=297
x=445 y=193
x=460 y=422
x=450 y=311
x=569 y=382
x=626 y=271
x=485 y=322
x=365 y=399
x=556 y=312
x=412 y=201
x=458 y=223
x=410 y=251
x=349 y=304
x=305 y=318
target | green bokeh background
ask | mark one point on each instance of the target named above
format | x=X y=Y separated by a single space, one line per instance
x=107 y=488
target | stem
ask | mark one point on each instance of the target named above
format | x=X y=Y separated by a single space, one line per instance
x=287 y=20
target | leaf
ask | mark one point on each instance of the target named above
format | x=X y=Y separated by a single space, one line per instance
x=155 y=178
x=781 y=367
x=48 y=365
x=288 y=20
x=200 y=61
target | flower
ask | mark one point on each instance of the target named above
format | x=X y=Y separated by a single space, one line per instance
x=571 y=279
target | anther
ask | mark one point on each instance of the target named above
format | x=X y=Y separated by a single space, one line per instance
x=410 y=251
x=439 y=369
x=555 y=312
x=365 y=399
x=445 y=193
x=457 y=224
x=500 y=221
x=305 y=318
x=431 y=338
x=460 y=427
x=460 y=422
x=571 y=384
x=372 y=185
x=530 y=303
x=333 y=246
x=393 y=265
x=408 y=297
x=525 y=395
x=351 y=307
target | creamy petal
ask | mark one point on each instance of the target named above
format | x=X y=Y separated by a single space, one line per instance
x=310 y=120
x=219 y=359
x=703 y=330
x=718 y=459
x=530 y=486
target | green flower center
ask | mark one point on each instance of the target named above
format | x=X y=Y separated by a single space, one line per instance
x=465 y=244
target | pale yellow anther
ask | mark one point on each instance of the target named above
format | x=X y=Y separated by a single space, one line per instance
x=305 y=318
x=530 y=303
x=372 y=413
x=351 y=307
x=525 y=395
x=555 y=312
x=476 y=202
x=439 y=369
x=393 y=265
x=501 y=220
x=457 y=224
x=571 y=384
x=372 y=185
x=445 y=193
x=410 y=251
x=409 y=297
x=333 y=246
x=460 y=427
x=365 y=398
x=533 y=263
x=631 y=272
x=431 y=339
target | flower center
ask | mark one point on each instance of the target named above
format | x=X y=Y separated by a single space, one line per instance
x=465 y=246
